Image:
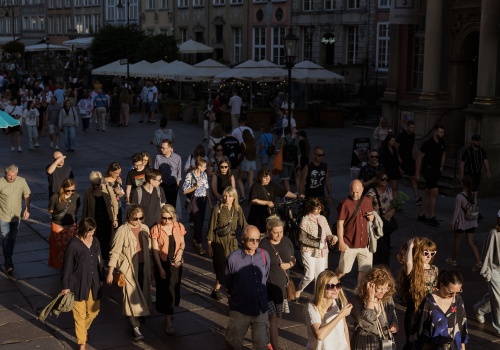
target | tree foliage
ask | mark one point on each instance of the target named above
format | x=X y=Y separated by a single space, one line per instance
x=13 y=47
x=112 y=43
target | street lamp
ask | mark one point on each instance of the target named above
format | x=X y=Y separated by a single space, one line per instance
x=120 y=6
x=47 y=41
x=290 y=42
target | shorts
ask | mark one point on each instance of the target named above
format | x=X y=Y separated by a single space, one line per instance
x=152 y=107
x=287 y=171
x=248 y=165
x=431 y=177
x=476 y=181
x=363 y=255
x=469 y=230
x=53 y=129
x=14 y=129
x=409 y=167
x=238 y=326
x=265 y=159
x=145 y=106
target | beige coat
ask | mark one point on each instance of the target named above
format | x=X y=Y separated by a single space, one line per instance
x=88 y=210
x=136 y=302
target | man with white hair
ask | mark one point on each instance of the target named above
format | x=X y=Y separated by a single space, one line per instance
x=12 y=189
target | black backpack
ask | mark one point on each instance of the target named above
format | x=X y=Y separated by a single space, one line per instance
x=289 y=151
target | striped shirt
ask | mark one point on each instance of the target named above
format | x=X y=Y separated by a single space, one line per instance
x=473 y=159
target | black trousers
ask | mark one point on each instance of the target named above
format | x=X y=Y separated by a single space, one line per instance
x=168 y=290
x=171 y=192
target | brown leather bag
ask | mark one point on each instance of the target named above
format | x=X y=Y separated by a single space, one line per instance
x=119 y=279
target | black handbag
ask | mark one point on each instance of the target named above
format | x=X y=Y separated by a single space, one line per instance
x=224 y=230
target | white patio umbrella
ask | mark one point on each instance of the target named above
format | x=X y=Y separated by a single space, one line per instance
x=43 y=47
x=79 y=43
x=159 y=65
x=202 y=71
x=173 y=70
x=142 y=69
x=113 y=68
x=310 y=72
x=192 y=46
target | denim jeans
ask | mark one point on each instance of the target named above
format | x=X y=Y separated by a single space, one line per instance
x=69 y=136
x=491 y=302
x=32 y=135
x=8 y=233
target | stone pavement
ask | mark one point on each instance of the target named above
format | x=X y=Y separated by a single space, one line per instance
x=199 y=321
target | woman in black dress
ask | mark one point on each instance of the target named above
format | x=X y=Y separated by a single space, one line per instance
x=280 y=249
x=262 y=194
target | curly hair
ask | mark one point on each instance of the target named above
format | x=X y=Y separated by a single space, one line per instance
x=412 y=285
x=380 y=275
x=319 y=292
x=311 y=204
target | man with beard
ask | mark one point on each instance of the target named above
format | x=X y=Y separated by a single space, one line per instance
x=431 y=160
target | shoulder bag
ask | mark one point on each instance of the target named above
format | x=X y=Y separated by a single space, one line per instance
x=61 y=214
x=334 y=228
x=119 y=277
x=290 y=285
x=386 y=338
x=224 y=230
x=471 y=212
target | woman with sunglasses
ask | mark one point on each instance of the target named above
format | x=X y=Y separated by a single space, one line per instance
x=314 y=236
x=326 y=315
x=63 y=206
x=221 y=239
x=381 y=196
x=130 y=255
x=441 y=322
x=222 y=178
x=417 y=277
x=280 y=249
x=99 y=203
x=373 y=310
x=168 y=247
x=113 y=179
x=217 y=158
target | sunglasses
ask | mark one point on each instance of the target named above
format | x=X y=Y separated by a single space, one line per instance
x=223 y=167
x=168 y=218
x=218 y=150
x=252 y=240
x=384 y=179
x=373 y=156
x=429 y=253
x=331 y=286
x=69 y=191
x=140 y=218
x=319 y=154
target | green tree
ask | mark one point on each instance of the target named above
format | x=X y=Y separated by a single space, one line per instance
x=112 y=43
x=159 y=47
x=14 y=47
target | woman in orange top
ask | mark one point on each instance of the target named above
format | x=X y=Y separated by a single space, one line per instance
x=168 y=246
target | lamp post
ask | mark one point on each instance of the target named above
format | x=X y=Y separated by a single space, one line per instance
x=290 y=42
x=120 y=6
x=47 y=41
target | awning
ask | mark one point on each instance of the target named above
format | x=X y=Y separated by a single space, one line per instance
x=79 y=43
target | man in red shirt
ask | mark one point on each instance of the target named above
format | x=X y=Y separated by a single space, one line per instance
x=353 y=237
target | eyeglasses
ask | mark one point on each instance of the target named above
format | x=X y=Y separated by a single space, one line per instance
x=429 y=253
x=373 y=156
x=69 y=191
x=223 y=167
x=319 y=154
x=139 y=218
x=252 y=240
x=331 y=286
x=218 y=150
x=384 y=179
x=168 y=218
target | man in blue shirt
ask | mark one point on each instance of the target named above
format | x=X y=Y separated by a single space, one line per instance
x=245 y=276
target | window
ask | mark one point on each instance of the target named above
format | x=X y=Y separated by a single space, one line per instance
x=384 y=4
x=41 y=23
x=26 y=22
x=308 y=5
x=237 y=45
x=51 y=25
x=133 y=12
x=79 y=23
x=34 y=23
x=184 y=35
x=110 y=9
x=59 y=4
x=219 y=30
x=219 y=2
x=87 y=2
x=352 y=37
x=353 y=4
x=236 y=2
x=307 y=41
x=59 y=25
x=78 y=3
x=164 y=4
x=277 y=48
x=382 y=46
x=51 y=4
x=198 y=3
x=151 y=4
x=259 y=44
x=69 y=23
x=183 y=3
x=329 y=5
x=418 y=61
x=67 y=4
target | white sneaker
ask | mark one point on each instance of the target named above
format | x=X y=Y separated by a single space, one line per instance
x=57 y=147
x=19 y=149
x=12 y=149
x=37 y=144
x=479 y=317
x=137 y=334
x=52 y=145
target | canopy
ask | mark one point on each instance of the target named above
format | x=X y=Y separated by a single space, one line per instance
x=141 y=70
x=172 y=71
x=158 y=65
x=205 y=70
x=254 y=71
x=113 y=68
x=79 y=43
x=43 y=47
x=309 y=72
x=6 y=120
x=192 y=46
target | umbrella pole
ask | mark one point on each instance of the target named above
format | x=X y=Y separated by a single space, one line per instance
x=251 y=95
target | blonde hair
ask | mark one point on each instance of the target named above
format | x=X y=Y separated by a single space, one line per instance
x=95 y=177
x=319 y=293
x=274 y=222
x=231 y=191
x=168 y=209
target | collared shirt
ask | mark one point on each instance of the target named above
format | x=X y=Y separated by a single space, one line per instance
x=11 y=194
x=473 y=160
x=356 y=232
x=170 y=168
x=192 y=179
x=245 y=277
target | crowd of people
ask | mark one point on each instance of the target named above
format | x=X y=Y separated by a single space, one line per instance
x=146 y=246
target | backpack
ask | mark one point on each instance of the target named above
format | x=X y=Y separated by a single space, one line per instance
x=471 y=212
x=289 y=151
x=270 y=149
